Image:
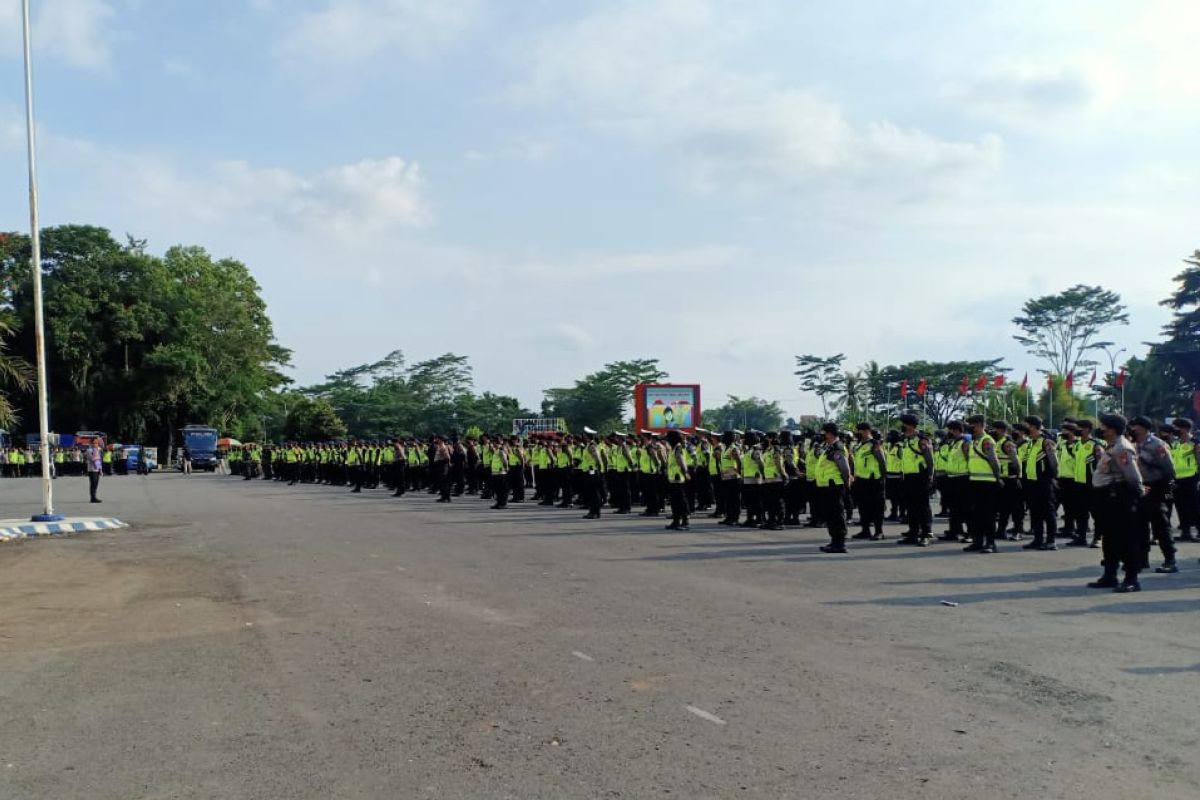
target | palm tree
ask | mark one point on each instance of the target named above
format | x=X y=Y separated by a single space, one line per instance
x=15 y=372
x=852 y=398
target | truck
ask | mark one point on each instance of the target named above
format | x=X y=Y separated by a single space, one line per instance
x=201 y=442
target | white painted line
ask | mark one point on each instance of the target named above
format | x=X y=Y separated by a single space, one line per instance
x=702 y=714
x=582 y=656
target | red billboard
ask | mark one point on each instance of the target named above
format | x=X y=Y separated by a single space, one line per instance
x=661 y=407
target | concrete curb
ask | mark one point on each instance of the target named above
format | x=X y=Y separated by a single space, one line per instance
x=20 y=529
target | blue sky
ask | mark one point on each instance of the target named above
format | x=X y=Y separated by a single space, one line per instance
x=545 y=186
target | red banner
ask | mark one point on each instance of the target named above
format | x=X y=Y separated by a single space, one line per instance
x=922 y=387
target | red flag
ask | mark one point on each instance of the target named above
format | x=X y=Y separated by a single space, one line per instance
x=981 y=383
x=1050 y=382
x=966 y=384
x=904 y=388
x=1120 y=378
x=999 y=380
x=1092 y=382
x=1070 y=381
x=922 y=387
x=1025 y=382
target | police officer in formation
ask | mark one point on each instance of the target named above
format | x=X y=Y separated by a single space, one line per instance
x=1123 y=484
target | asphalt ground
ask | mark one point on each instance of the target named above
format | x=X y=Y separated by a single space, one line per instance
x=253 y=640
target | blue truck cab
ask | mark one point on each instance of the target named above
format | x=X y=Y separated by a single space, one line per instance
x=201 y=442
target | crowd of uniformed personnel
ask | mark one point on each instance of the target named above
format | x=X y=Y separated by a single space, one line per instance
x=1115 y=482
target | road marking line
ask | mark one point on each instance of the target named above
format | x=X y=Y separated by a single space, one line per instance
x=702 y=714
x=582 y=656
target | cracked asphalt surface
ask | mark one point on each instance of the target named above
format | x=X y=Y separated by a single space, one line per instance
x=251 y=640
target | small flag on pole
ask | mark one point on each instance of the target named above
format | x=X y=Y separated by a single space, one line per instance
x=1070 y=381
x=981 y=384
x=904 y=388
x=1120 y=378
x=1092 y=382
x=999 y=380
x=922 y=387
x=1050 y=382
x=966 y=384
x=1025 y=382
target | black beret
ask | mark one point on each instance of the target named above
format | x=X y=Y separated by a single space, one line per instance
x=1114 y=421
x=954 y=425
x=1183 y=422
x=1033 y=421
x=976 y=419
x=910 y=419
x=1142 y=422
x=863 y=426
x=830 y=427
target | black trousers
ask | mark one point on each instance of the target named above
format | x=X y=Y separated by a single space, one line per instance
x=516 y=482
x=591 y=492
x=1081 y=510
x=93 y=483
x=1153 y=519
x=1068 y=500
x=830 y=500
x=500 y=489
x=1117 y=526
x=618 y=491
x=704 y=489
x=868 y=496
x=650 y=493
x=679 y=503
x=752 y=499
x=958 y=503
x=1011 y=506
x=916 y=501
x=793 y=500
x=1186 y=503
x=1039 y=499
x=772 y=501
x=731 y=490
x=981 y=495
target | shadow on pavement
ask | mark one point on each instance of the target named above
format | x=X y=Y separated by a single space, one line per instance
x=1161 y=670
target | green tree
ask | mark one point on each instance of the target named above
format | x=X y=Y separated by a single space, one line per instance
x=1061 y=329
x=943 y=399
x=745 y=414
x=138 y=344
x=822 y=376
x=313 y=420
x=16 y=373
x=1053 y=406
x=601 y=399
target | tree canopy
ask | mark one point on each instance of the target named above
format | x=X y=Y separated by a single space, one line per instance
x=389 y=397
x=1061 y=329
x=745 y=413
x=603 y=398
x=142 y=344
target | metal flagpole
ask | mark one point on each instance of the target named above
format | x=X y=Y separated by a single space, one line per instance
x=39 y=329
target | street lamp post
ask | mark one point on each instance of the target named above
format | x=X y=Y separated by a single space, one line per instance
x=1112 y=364
x=39 y=328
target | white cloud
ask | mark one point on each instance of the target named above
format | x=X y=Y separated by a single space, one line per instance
x=350 y=31
x=75 y=32
x=657 y=72
x=596 y=267
x=1024 y=95
x=345 y=200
